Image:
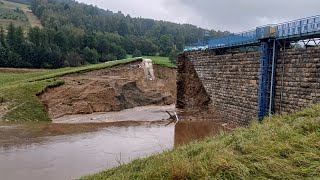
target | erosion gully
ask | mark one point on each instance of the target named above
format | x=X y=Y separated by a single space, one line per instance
x=75 y=146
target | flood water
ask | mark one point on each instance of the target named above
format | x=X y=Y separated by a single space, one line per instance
x=145 y=113
x=69 y=151
x=73 y=156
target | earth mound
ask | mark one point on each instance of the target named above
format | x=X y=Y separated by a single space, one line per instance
x=113 y=89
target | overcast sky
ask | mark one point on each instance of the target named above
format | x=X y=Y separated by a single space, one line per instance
x=231 y=15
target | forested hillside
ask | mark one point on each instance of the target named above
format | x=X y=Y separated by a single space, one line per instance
x=75 y=34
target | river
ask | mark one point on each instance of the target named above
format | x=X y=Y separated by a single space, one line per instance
x=69 y=151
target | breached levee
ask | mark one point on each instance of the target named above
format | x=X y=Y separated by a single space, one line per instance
x=112 y=89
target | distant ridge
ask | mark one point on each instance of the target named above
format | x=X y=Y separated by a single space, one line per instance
x=21 y=1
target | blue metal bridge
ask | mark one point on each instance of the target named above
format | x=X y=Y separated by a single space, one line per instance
x=269 y=39
x=292 y=30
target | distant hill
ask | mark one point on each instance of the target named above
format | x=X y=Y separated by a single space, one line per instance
x=11 y=12
x=19 y=13
x=76 y=34
x=60 y=13
x=21 y=1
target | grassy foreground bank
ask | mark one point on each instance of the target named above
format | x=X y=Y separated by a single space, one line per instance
x=282 y=147
x=19 y=90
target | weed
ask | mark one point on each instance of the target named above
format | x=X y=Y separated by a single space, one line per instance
x=2 y=100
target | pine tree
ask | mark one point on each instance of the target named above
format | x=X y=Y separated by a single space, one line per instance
x=11 y=35
x=34 y=35
x=18 y=39
x=2 y=37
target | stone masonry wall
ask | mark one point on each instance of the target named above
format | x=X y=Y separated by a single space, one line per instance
x=232 y=81
x=301 y=79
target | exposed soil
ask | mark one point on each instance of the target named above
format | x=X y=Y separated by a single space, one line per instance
x=192 y=96
x=113 y=89
x=33 y=20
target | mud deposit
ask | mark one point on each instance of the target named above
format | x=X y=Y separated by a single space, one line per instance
x=113 y=89
x=138 y=114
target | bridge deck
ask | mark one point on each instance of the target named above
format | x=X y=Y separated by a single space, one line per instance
x=296 y=30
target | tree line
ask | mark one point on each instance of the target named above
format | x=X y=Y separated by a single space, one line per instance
x=75 y=34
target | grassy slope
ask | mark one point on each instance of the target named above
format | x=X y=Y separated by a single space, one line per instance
x=18 y=91
x=25 y=20
x=164 y=61
x=282 y=147
x=7 y=10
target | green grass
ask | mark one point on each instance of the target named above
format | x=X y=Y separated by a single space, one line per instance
x=25 y=18
x=282 y=147
x=14 y=5
x=8 y=16
x=164 y=61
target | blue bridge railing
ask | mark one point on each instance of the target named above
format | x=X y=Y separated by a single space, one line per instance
x=299 y=27
x=242 y=38
x=292 y=29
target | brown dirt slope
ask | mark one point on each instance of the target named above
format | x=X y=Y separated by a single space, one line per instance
x=192 y=95
x=111 y=89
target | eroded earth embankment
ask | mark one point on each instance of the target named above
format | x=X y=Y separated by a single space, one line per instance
x=113 y=89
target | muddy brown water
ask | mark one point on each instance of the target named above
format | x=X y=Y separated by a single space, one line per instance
x=74 y=155
x=137 y=114
x=69 y=151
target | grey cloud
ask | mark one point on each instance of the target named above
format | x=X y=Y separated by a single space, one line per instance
x=232 y=15
x=237 y=15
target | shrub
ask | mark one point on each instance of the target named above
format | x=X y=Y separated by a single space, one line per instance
x=110 y=57
x=74 y=59
x=173 y=56
x=136 y=53
x=90 y=55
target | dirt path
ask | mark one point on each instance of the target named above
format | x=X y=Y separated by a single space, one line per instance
x=33 y=20
x=113 y=89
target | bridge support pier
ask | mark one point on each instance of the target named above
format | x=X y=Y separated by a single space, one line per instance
x=268 y=63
